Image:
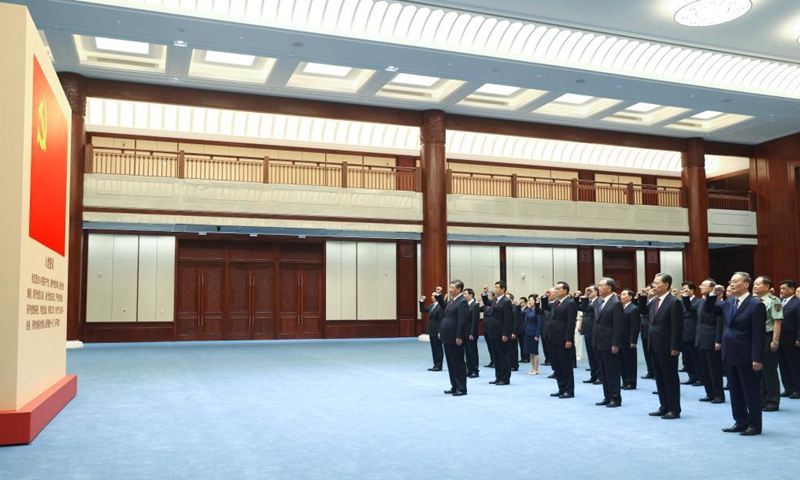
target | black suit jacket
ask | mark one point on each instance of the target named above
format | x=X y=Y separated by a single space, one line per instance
x=744 y=332
x=456 y=321
x=562 y=322
x=789 y=326
x=519 y=321
x=435 y=313
x=666 y=326
x=690 y=318
x=500 y=316
x=588 y=322
x=631 y=323
x=474 y=317
x=709 y=324
x=608 y=323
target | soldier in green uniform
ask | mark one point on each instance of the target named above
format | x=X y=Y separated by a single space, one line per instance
x=770 y=384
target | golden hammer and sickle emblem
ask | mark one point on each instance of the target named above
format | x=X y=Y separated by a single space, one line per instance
x=41 y=129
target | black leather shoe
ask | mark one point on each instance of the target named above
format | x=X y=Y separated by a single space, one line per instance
x=785 y=394
x=629 y=387
x=450 y=392
x=603 y=403
x=566 y=395
x=491 y=365
x=655 y=392
x=658 y=413
x=473 y=375
x=670 y=416
x=493 y=382
x=648 y=377
x=556 y=394
x=736 y=428
x=588 y=369
x=614 y=405
x=552 y=375
x=706 y=399
x=770 y=407
x=435 y=369
x=546 y=363
x=591 y=380
x=501 y=383
x=597 y=382
x=795 y=396
x=698 y=383
x=718 y=400
x=750 y=432
x=682 y=370
x=514 y=369
x=725 y=388
x=688 y=382
x=459 y=394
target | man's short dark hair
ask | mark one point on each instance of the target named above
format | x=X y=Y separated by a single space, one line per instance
x=789 y=283
x=745 y=276
x=470 y=291
x=564 y=285
x=458 y=284
x=688 y=284
x=666 y=278
x=501 y=284
x=630 y=292
x=610 y=282
x=510 y=295
x=533 y=296
x=711 y=282
x=766 y=280
x=593 y=287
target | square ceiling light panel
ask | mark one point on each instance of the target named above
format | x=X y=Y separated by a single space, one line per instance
x=406 y=86
x=576 y=106
x=645 y=114
x=708 y=121
x=331 y=78
x=501 y=97
x=230 y=67
x=120 y=54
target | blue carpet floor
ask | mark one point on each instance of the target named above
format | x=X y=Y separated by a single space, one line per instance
x=368 y=409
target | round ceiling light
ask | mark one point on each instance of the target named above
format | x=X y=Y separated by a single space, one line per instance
x=704 y=13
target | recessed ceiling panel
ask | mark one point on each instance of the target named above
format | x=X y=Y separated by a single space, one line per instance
x=120 y=54
x=231 y=67
x=332 y=78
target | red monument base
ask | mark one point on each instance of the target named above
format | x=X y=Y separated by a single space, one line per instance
x=18 y=427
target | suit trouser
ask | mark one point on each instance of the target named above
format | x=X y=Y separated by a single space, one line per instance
x=513 y=354
x=770 y=383
x=502 y=368
x=548 y=357
x=609 y=373
x=521 y=346
x=648 y=355
x=665 y=368
x=713 y=369
x=471 y=350
x=689 y=364
x=490 y=346
x=594 y=360
x=789 y=361
x=562 y=364
x=745 y=389
x=700 y=368
x=456 y=366
x=628 y=364
x=437 y=351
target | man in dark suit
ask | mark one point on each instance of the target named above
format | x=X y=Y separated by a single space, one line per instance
x=519 y=318
x=472 y=343
x=546 y=319
x=691 y=357
x=743 y=337
x=708 y=341
x=608 y=315
x=562 y=338
x=628 y=338
x=453 y=331
x=789 y=349
x=586 y=305
x=486 y=305
x=665 y=319
x=501 y=324
x=435 y=311
x=648 y=356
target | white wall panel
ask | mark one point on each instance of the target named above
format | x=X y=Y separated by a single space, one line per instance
x=641 y=276
x=99 y=273
x=340 y=283
x=475 y=265
x=598 y=265
x=672 y=263
x=565 y=267
x=386 y=282
x=165 y=280
x=367 y=280
x=124 y=279
x=519 y=262
x=148 y=278
x=543 y=268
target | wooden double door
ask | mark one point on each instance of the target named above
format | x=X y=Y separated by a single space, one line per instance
x=238 y=291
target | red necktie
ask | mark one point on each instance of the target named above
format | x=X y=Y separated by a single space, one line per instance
x=658 y=303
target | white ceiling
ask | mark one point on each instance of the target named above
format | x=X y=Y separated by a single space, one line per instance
x=769 y=31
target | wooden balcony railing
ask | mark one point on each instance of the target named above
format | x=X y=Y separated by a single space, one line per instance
x=731 y=200
x=323 y=174
x=227 y=168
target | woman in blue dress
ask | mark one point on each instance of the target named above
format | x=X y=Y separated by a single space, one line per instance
x=533 y=329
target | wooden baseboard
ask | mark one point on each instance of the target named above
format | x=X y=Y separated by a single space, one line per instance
x=129 y=332
x=20 y=427
x=361 y=329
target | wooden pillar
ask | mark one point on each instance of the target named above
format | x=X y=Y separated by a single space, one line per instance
x=652 y=265
x=74 y=86
x=693 y=181
x=585 y=267
x=434 y=202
